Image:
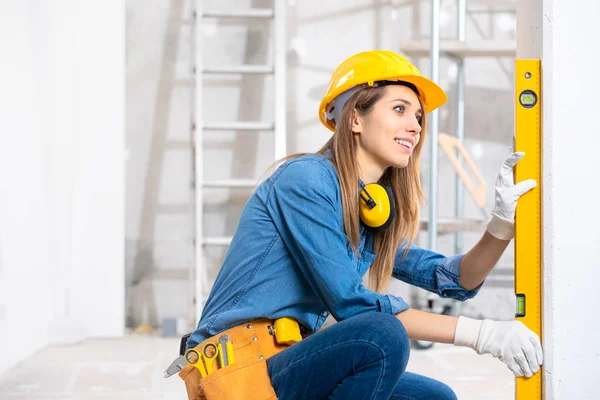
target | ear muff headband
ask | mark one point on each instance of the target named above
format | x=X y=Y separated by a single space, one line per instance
x=376 y=207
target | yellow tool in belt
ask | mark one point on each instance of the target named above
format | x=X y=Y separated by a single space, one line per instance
x=286 y=331
x=226 y=356
x=209 y=353
x=203 y=362
x=192 y=357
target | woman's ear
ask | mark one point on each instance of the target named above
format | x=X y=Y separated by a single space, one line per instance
x=356 y=122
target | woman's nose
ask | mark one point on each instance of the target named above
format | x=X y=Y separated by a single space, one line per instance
x=415 y=127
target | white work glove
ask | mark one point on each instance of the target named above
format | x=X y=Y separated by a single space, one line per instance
x=509 y=341
x=502 y=224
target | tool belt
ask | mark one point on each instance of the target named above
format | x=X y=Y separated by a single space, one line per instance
x=247 y=378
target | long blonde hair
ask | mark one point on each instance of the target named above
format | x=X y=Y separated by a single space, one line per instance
x=404 y=182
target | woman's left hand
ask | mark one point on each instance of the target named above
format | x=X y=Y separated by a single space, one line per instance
x=502 y=224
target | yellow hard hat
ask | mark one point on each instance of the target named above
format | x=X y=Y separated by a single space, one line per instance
x=369 y=67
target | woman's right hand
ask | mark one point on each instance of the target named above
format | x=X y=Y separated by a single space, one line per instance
x=509 y=341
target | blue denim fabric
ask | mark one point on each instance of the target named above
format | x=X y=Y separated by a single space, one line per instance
x=290 y=257
x=363 y=357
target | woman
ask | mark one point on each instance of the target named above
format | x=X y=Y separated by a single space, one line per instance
x=313 y=229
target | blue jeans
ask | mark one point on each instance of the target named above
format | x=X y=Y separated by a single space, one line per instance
x=363 y=357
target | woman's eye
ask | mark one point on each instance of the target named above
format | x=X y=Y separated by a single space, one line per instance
x=399 y=108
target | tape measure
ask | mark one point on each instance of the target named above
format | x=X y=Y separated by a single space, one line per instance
x=528 y=217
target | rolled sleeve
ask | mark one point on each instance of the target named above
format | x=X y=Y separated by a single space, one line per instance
x=433 y=272
x=448 y=279
x=394 y=305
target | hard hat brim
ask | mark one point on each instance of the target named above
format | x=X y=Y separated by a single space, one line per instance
x=431 y=94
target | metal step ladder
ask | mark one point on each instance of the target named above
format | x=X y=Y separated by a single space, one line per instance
x=277 y=68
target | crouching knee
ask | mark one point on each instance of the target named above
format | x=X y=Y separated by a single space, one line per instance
x=387 y=332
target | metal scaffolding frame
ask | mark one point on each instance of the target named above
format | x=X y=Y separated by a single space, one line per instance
x=457 y=50
x=432 y=229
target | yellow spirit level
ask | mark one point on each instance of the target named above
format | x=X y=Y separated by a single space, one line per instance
x=528 y=221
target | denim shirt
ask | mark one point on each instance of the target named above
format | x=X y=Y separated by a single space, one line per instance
x=290 y=257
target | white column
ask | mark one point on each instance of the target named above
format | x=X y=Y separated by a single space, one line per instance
x=562 y=35
x=98 y=242
x=62 y=131
x=79 y=69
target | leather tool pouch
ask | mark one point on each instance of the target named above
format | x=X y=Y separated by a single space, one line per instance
x=246 y=379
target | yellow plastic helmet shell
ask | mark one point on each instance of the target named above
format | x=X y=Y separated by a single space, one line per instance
x=379 y=65
x=381 y=216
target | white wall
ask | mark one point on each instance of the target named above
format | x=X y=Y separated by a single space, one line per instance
x=61 y=172
x=571 y=84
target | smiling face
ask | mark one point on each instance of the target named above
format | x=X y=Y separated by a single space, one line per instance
x=388 y=133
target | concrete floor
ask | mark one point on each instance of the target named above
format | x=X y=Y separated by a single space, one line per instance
x=132 y=368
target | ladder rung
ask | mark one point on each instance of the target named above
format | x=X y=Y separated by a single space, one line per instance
x=491 y=11
x=231 y=183
x=454 y=225
x=217 y=241
x=239 y=126
x=178 y=144
x=170 y=274
x=471 y=48
x=500 y=283
x=173 y=209
x=183 y=83
x=240 y=69
x=249 y=13
x=503 y=272
x=502 y=3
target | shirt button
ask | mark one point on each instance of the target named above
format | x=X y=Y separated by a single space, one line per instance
x=325 y=313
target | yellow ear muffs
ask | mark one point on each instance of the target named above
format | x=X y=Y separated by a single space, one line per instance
x=376 y=207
